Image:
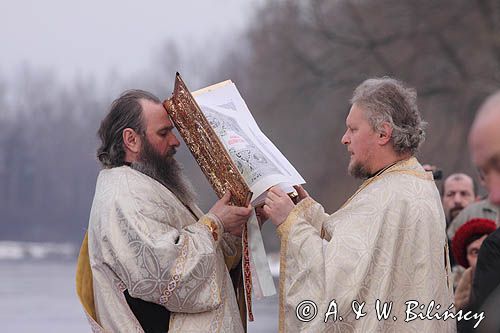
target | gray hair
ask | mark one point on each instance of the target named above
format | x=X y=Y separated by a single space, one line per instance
x=388 y=100
x=125 y=112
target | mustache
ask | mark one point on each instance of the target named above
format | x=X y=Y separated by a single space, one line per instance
x=456 y=209
x=171 y=152
x=165 y=169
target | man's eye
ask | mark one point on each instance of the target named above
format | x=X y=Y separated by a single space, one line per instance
x=495 y=163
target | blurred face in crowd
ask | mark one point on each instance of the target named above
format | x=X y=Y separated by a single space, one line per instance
x=361 y=142
x=458 y=193
x=473 y=250
x=484 y=141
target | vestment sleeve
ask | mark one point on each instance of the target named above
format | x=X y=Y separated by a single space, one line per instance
x=302 y=262
x=159 y=263
x=314 y=269
x=231 y=247
x=372 y=238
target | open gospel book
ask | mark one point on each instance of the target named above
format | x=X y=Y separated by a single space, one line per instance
x=258 y=160
x=234 y=155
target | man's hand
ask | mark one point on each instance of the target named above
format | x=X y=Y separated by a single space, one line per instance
x=262 y=217
x=301 y=192
x=278 y=205
x=233 y=218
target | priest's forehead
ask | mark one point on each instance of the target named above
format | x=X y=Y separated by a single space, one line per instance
x=357 y=115
x=155 y=116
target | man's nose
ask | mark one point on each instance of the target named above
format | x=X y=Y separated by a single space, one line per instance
x=458 y=198
x=344 y=139
x=494 y=188
x=175 y=142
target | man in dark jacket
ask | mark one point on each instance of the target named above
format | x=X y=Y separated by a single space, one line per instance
x=484 y=142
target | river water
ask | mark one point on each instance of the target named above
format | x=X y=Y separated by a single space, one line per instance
x=38 y=295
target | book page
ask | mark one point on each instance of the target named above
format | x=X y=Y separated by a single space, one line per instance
x=258 y=160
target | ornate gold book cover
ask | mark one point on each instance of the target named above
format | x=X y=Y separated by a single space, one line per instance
x=205 y=146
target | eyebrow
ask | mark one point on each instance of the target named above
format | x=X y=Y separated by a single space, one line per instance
x=166 y=128
x=493 y=162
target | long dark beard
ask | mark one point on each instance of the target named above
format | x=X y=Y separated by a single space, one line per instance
x=166 y=170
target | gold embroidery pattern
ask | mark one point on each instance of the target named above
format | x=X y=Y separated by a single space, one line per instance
x=399 y=167
x=446 y=263
x=212 y=227
x=247 y=275
x=216 y=324
x=179 y=267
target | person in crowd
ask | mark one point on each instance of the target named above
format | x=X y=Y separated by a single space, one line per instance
x=466 y=244
x=484 y=145
x=458 y=192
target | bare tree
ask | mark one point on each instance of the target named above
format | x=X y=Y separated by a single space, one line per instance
x=296 y=67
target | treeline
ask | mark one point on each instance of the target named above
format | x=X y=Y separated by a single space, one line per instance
x=296 y=66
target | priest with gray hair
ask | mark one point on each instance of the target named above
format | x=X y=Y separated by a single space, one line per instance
x=381 y=261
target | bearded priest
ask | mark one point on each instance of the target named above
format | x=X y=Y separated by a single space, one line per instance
x=152 y=261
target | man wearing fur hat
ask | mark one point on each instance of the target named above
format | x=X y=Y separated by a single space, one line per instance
x=466 y=244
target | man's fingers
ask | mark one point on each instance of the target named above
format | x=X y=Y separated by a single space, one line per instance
x=268 y=202
x=301 y=192
x=226 y=197
x=277 y=191
x=259 y=210
x=271 y=195
x=267 y=209
x=244 y=211
x=241 y=211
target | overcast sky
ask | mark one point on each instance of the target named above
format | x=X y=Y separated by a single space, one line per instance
x=91 y=37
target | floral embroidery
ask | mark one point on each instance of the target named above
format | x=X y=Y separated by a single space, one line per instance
x=179 y=267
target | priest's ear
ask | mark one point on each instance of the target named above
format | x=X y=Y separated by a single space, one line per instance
x=131 y=141
x=384 y=133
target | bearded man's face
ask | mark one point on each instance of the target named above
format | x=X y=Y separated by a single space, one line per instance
x=163 y=167
x=156 y=155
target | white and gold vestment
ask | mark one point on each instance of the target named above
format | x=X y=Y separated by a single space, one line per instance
x=141 y=238
x=387 y=242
